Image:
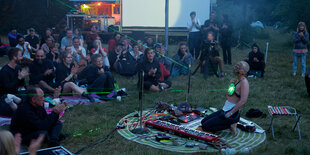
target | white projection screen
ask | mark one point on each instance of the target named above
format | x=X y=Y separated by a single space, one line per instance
x=151 y=13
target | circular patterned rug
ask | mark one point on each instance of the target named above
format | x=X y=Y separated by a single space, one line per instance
x=242 y=140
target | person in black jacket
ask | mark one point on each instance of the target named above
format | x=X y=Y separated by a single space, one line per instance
x=151 y=68
x=98 y=78
x=256 y=60
x=12 y=76
x=66 y=73
x=226 y=39
x=42 y=73
x=31 y=120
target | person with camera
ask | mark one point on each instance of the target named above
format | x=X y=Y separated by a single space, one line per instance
x=237 y=96
x=194 y=39
x=301 y=38
x=210 y=56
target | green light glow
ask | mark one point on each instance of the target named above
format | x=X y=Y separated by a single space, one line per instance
x=231 y=89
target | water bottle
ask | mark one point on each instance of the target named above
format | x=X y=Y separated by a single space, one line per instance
x=228 y=151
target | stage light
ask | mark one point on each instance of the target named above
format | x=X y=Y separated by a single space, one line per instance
x=99 y=3
x=231 y=89
x=85 y=6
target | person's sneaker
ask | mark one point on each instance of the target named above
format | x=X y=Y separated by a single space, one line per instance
x=161 y=87
x=294 y=74
x=14 y=98
x=90 y=98
x=11 y=103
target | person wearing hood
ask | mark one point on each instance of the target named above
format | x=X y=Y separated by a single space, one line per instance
x=256 y=60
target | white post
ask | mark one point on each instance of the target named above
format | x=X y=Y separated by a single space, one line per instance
x=267 y=48
x=166 y=25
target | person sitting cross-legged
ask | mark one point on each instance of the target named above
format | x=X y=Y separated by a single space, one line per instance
x=42 y=73
x=151 y=68
x=98 y=76
x=66 y=73
x=31 y=119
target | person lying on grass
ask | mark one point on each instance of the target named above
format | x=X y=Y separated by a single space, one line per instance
x=237 y=96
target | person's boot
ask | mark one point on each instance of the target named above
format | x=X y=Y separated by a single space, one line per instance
x=91 y=99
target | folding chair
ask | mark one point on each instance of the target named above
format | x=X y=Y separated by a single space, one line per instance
x=283 y=111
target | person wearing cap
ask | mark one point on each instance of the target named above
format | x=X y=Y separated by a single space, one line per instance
x=194 y=39
x=33 y=40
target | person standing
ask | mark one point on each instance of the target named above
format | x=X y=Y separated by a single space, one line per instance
x=194 y=39
x=226 y=39
x=301 y=38
x=211 y=25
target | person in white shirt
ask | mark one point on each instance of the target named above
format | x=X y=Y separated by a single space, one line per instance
x=24 y=47
x=78 y=51
x=194 y=39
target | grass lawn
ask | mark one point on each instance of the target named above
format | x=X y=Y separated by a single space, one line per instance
x=278 y=87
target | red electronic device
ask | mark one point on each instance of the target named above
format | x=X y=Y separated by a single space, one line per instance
x=188 y=117
x=183 y=131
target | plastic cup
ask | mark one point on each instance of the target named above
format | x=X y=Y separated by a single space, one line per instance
x=119 y=98
x=46 y=105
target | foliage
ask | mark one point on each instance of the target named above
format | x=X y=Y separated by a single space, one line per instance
x=23 y=14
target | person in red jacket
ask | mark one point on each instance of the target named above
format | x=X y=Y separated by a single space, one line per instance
x=112 y=42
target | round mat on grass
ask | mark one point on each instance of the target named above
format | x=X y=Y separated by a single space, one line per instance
x=242 y=140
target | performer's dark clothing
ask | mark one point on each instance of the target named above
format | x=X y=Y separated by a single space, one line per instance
x=217 y=121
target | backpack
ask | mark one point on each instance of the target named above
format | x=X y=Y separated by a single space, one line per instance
x=126 y=66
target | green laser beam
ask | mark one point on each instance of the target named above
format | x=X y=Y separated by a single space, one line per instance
x=67 y=5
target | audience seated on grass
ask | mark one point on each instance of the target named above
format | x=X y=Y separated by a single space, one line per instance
x=184 y=58
x=47 y=44
x=91 y=37
x=112 y=42
x=68 y=39
x=98 y=76
x=136 y=53
x=53 y=54
x=114 y=55
x=66 y=74
x=12 y=36
x=125 y=64
x=99 y=49
x=33 y=40
x=162 y=58
x=256 y=62
x=47 y=34
x=31 y=119
x=149 y=42
x=24 y=47
x=151 y=68
x=42 y=74
x=12 y=76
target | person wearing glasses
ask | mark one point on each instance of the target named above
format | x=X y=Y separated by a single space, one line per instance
x=24 y=47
